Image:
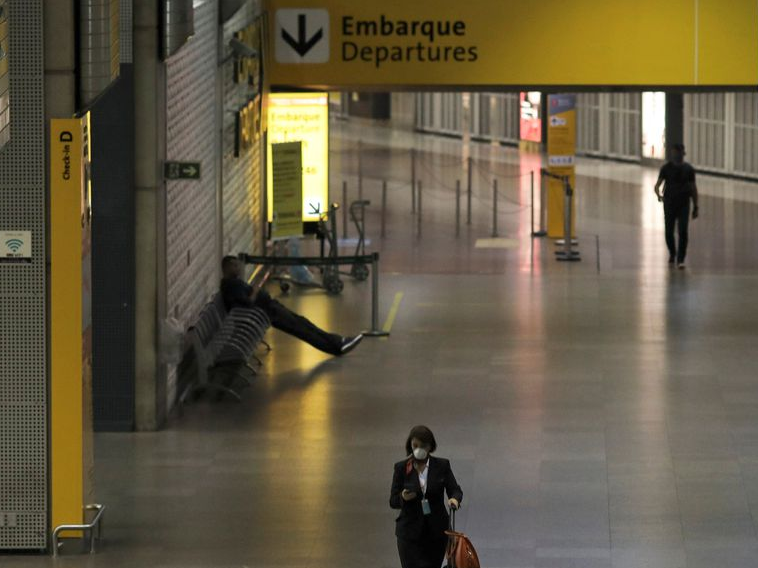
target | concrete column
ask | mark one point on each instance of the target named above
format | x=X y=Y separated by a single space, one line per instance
x=150 y=265
x=674 y=118
x=60 y=60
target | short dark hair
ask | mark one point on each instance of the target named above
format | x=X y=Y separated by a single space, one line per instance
x=226 y=261
x=679 y=148
x=424 y=435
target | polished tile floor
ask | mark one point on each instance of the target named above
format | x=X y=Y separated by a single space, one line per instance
x=599 y=414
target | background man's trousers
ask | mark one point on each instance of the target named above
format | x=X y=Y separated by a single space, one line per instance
x=677 y=215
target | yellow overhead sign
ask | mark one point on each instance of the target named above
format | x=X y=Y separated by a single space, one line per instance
x=372 y=43
x=302 y=117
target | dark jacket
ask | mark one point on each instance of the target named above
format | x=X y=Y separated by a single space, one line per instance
x=440 y=480
x=237 y=294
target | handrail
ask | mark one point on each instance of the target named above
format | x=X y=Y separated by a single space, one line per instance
x=96 y=522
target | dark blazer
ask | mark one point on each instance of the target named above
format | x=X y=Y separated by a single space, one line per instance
x=440 y=479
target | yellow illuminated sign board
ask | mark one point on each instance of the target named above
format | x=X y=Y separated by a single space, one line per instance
x=287 y=171
x=344 y=44
x=302 y=117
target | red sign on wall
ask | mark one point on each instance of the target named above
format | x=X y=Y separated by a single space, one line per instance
x=530 y=116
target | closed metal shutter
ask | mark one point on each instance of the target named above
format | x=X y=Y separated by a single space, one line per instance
x=746 y=134
x=609 y=125
x=624 y=125
x=439 y=112
x=23 y=358
x=494 y=117
x=403 y=109
x=191 y=206
x=588 y=113
x=705 y=130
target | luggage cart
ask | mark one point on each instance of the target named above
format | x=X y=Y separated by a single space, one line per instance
x=330 y=277
x=359 y=270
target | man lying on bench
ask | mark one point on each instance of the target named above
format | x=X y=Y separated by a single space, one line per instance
x=237 y=294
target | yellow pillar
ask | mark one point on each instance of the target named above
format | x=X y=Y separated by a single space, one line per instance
x=71 y=461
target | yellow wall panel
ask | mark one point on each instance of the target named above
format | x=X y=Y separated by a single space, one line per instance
x=727 y=41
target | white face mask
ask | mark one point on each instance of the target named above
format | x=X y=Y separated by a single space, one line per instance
x=420 y=453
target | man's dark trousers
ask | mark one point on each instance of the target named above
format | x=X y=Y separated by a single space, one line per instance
x=677 y=214
x=289 y=322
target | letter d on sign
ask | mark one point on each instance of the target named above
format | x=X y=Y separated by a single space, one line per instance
x=347 y=47
x=66 y=136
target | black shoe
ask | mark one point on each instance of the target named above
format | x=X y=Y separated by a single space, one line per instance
x=672 y=259
x=350 y=343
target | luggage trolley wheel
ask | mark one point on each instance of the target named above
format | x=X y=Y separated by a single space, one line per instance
x=359 y=271
x=333 y=284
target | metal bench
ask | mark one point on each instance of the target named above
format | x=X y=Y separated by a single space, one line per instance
x=224 y=343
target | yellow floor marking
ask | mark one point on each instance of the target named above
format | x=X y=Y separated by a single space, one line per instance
x=393 y=313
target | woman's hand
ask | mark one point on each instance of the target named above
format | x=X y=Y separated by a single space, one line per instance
x=454 y=504
x=408 y=495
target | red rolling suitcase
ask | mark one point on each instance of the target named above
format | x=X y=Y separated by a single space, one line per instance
x=460 y=552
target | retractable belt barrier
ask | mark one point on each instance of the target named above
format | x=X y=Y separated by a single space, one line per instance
x=373 y=259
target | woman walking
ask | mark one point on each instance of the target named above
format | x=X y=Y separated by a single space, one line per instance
x=418 y=490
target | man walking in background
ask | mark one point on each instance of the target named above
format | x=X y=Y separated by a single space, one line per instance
x=678 y=179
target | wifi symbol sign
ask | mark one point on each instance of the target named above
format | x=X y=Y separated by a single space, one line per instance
x=14 y=244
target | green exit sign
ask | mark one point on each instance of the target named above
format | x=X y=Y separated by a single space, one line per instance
x=181 y=170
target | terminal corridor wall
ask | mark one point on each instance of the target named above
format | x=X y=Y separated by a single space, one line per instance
x=241 y=181
x=23 y=295
x=192 y=228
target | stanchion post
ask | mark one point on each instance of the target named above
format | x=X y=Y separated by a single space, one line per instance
x=458 y=208
x=413 y=180
x=531 y=175
x=567 y=254
x=375 y=331
x=567 y=236
x=418 y=233
x=542 y=229
x=494 y=208
x=543 y=207
x=469 y=189
x=360 y=170
x=344 y=209
x=384 y=208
